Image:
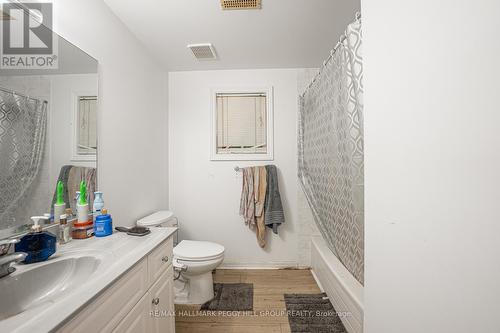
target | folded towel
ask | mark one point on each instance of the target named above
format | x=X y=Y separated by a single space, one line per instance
x=273 y=208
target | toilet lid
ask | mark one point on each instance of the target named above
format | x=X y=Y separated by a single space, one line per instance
x=155 y=219
x=198 y=250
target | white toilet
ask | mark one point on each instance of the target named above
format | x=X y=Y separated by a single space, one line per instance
x=193 y=262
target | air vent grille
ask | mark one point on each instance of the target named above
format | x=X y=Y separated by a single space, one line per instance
x=241 y=4
x=203 y=51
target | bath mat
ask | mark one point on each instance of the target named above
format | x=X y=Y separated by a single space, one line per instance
x=231 y=297
x=312 y=313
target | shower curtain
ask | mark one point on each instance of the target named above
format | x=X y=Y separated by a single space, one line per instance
x=331 y=151
x=23 y=122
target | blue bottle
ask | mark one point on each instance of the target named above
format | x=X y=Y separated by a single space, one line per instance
x=38 y=245
x=103 y=225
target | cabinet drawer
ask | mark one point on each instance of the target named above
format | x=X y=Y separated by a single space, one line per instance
x=159 y=260
x=105 y=312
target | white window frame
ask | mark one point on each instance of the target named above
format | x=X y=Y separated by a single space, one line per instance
x=269 y=155
x=75 y=95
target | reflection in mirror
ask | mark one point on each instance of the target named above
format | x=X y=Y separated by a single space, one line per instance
x=48 y=132
x=85 y=123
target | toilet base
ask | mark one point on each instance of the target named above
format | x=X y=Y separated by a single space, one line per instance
x=197 y=289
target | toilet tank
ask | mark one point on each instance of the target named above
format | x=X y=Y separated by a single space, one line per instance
x=163 y=218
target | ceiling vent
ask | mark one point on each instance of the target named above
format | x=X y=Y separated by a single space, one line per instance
x=203 y=51
x=241 y=4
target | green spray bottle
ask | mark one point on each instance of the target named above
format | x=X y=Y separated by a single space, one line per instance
x=82 y=206
x=60 y=205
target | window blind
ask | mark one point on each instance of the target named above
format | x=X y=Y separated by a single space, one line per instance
x=87 y=125
x=241 y=123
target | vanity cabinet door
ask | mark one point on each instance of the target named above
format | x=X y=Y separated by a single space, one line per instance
x=138 y=320
x=107 y=311
x=161 y=298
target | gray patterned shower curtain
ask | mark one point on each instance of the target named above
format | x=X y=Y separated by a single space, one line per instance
x=331 y=167
x=22 y=137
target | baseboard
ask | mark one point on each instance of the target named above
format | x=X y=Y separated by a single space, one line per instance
x=318 y=282
x=259 y=265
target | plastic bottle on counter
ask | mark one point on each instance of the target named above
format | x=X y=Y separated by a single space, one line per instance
x=103 y=225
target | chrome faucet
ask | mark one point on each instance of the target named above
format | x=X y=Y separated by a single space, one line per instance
x=7 y=259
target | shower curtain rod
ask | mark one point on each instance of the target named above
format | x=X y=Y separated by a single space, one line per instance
x=332 y=52
x=19 y=94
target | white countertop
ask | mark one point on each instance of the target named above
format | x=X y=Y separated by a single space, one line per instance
x=118 y=253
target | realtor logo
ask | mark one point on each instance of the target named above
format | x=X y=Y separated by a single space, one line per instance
x=27 y=39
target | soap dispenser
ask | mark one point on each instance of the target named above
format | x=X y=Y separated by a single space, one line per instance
x=98 y=204
x=39 y=245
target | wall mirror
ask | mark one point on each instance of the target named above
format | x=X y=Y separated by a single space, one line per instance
x=48 y=132
x=242 y=124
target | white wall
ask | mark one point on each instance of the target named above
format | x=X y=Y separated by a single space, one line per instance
x=432 y=166
x=205 y=195
x=132 y=120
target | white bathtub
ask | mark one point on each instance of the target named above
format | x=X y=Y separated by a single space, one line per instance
x=343 y=290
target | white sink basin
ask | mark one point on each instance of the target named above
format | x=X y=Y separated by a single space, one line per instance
x=38 y=284
x=41 y=297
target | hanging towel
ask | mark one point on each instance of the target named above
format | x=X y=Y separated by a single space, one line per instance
x=76 y=175
x=273 y=207
x=244 y=194
x=255 y=185
x=74 y=179
x=260 y=178
x=90 y=176
x=247 y=202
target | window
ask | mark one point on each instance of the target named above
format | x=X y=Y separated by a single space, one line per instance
x=85 y=128
x=242 y=125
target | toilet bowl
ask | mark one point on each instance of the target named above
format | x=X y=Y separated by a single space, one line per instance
x=193 y=262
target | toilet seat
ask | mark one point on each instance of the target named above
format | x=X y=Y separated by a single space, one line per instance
x=194 y=262
x=189 y=250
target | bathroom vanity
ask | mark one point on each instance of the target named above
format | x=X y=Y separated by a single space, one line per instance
x=118 y=283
